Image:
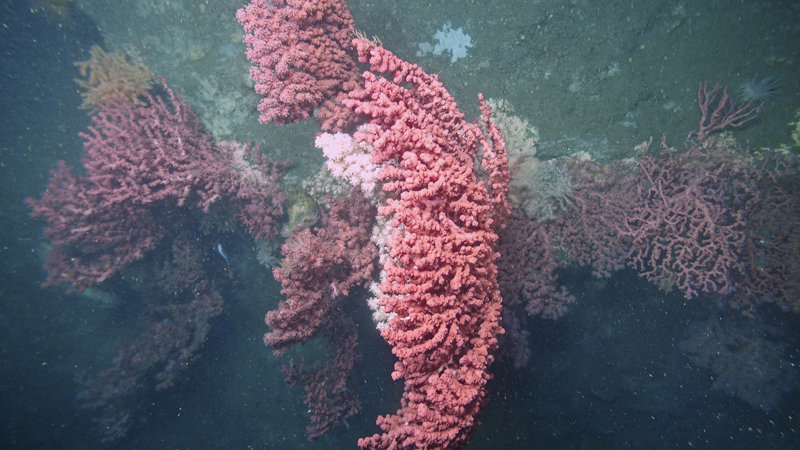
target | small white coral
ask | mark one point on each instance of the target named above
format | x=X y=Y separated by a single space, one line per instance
x=349 y=159
x=540 y=188
x=448 y=39
x=520 y=137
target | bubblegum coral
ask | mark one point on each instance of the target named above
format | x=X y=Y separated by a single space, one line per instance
x=320 y=266
x=134 y=158
x=90 y=242
x=148 y=153
x=176 y=320
x=441 y=277
x=688 y=225
x=300 y=55
x=329 y=396
x=243 y=174
x=685 y=230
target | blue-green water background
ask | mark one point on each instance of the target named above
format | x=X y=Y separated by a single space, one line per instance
x=610 y=374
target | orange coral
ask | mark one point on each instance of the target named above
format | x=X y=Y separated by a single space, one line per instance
x=114 y=76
